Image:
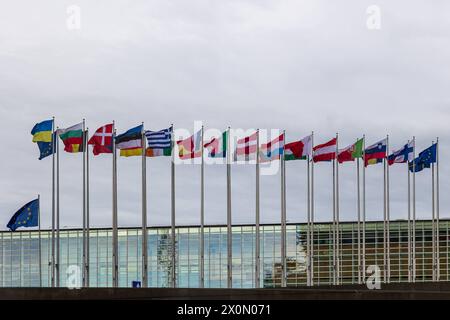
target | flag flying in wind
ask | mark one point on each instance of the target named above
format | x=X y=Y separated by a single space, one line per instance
x=325 y=151
x=27 y=216
x=217 y=147
x=351 y=152
x=130 y=142
x=424 y=160
x=246 y=148
x=42 y=134
x=272 y=150
x=159 y=143
x=73 y=138
x=402 y=155
x=375 y=153
x=298 y=150
x=102 y=140
x=191 y=147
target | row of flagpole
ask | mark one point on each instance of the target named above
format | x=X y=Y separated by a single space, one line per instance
x=361 y=225
x=310 y=262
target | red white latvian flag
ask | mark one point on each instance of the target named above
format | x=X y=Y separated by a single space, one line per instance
x=102 y=139
x=246 y=148
x=325 y=151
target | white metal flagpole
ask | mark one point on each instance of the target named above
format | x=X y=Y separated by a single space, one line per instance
x=308 y=224
x=257 y=240
x=433 y=223
x=409 y=220
x=414 y=214
x=54 y=141
x=115 y=258
x=311 y=241
x=229 y=217
x=363 y=271
x=283 y=216
x=358 y=205
x=57 y=217
x=84 y=201
x=144 y=211
x=202 y=217
x=388 y=212
x=338 y=238
x=285 y=220
x=386 y=216
x=438 y=271
x=172 y=209
x=39 y=242
x=87 y=209
x=334 y=224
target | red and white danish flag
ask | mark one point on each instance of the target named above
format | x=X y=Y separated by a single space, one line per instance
x=102 y=139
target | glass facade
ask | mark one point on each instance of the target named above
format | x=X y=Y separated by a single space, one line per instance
x=19 y=256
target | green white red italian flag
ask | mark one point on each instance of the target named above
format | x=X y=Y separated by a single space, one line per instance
x=298 y=150
x=217 y=147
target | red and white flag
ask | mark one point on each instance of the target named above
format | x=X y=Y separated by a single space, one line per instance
x=102 y=139
x=272 y=150
x=246 y=148
x=325 y=151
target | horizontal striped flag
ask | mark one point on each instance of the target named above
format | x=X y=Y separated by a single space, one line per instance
x=272 y=150
x=73 y=138
x=130 y=142
x=325 y=151
x=375 y=153
x=159 y=143
x=43 y=135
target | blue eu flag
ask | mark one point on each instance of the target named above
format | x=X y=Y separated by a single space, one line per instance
x=424 y=160
x=27 y=216
x=45 y=149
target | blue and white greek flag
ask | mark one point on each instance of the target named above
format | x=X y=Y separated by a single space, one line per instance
x=159 y=139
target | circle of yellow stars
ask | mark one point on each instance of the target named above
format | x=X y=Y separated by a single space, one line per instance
x=28 y=217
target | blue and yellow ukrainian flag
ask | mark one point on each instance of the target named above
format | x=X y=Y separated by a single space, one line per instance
x=43 y=135
x=27 y=216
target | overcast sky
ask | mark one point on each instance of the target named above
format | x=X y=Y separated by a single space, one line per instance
x=291 y=64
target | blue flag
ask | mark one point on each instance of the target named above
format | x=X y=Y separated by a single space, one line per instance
x=45 y=149
x=424 y=160
x=27 y=216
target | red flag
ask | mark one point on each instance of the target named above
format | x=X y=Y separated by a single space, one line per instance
x=325 y=151
x=102 y=139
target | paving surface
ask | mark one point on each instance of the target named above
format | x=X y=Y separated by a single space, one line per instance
x=439 y=290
